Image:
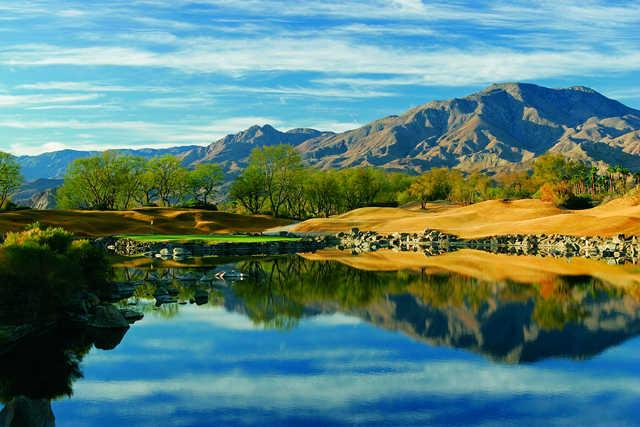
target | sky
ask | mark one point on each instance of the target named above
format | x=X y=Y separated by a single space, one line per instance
x=99 y=74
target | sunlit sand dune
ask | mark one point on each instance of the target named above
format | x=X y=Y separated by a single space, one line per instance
x=493 y=217
x=165 y=221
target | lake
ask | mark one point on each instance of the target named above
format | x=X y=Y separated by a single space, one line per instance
x=306 y=341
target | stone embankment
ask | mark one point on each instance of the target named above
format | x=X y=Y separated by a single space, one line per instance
x=181 y=251
x=618 y=249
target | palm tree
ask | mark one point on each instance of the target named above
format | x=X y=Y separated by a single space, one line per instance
x=611 y=170
x=593 y=174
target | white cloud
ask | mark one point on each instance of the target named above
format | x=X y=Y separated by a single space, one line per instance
x=316 y=92
x=177 y=102
x=448 y=67
x=26 y=100
x=83 y=87
x=335 y=319
x=335 y=390
x=335 y=126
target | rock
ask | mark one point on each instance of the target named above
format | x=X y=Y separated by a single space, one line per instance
x=131 y=316
x=107 y=338
x=109 y=317
x=201 y=297
x=25 y=412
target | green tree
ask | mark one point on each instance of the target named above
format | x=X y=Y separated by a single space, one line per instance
x=434 y=184
x=169 y=178
x=323 y=193
x=362 y=185
x=280 y=167
x=10 y=177
x=204 y=181
x=130 y=176
x=91 y=183
x=249 y=190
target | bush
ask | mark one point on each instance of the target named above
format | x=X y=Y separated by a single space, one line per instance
x=57 y=239
x=42 y=270
x=561 y=195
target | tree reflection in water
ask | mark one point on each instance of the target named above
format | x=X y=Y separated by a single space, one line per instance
x=567 y=316
x=575 y=317
x=43 y=368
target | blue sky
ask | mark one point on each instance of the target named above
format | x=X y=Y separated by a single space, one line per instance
x=95 y=74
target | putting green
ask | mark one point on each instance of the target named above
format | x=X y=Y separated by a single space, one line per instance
x=207 y=238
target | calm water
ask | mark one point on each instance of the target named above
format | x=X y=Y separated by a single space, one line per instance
x=318 y=343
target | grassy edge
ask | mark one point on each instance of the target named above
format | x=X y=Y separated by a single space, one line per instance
x=211 y=239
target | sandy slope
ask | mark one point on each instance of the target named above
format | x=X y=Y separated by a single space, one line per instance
x=490 y=218
x=165 y=221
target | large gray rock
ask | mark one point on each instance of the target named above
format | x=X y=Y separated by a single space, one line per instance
x=109 y=317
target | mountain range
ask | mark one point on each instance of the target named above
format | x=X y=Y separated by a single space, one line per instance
x=502 y=127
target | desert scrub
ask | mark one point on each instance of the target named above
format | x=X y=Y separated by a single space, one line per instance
x=42 y=270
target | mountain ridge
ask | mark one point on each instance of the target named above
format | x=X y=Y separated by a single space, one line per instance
x=501 y=127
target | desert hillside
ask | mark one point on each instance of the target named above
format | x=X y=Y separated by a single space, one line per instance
x=501 y=127
x=165 y=221
x=493 y=217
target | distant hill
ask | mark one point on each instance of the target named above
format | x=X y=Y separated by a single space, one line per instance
x=39 y=194
x=504 y=126
x=499 y=127
x=232 y=151
x=54 y=165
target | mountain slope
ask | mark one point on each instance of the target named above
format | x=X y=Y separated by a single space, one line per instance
x=504 y=126
x=232 y=151
x=500 y=127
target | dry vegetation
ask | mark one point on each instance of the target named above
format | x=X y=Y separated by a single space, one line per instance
x=165 y=221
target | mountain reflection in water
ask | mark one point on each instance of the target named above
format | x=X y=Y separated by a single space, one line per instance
x=506 y=322
x=569 y=316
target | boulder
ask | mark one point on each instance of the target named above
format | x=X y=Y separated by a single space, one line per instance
x=108 y=317
x=201 y=297
x=131 y=316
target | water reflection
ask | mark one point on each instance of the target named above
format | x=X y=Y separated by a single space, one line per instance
x=566 y=316
x=212 y=347
x=43 y=367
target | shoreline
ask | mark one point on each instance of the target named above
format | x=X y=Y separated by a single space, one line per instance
x=619 y=249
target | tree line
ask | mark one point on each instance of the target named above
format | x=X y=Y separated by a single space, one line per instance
x=113 y=181
x=276 y=181
x=551 y=178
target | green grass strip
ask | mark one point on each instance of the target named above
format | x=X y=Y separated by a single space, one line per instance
x=207 y=238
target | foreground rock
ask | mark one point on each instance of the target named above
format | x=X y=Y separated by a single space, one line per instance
x=108 y=316
x=618 y=249
x=24 y=412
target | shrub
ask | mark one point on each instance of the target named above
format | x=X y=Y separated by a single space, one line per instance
x=561 y=195
x=57 y=239
x=42 y=270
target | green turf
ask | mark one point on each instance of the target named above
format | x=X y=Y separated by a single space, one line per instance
x=208 y=238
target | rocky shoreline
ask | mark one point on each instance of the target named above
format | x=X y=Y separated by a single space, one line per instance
x=619 y=249
x=181 y=251
x=103 y=320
